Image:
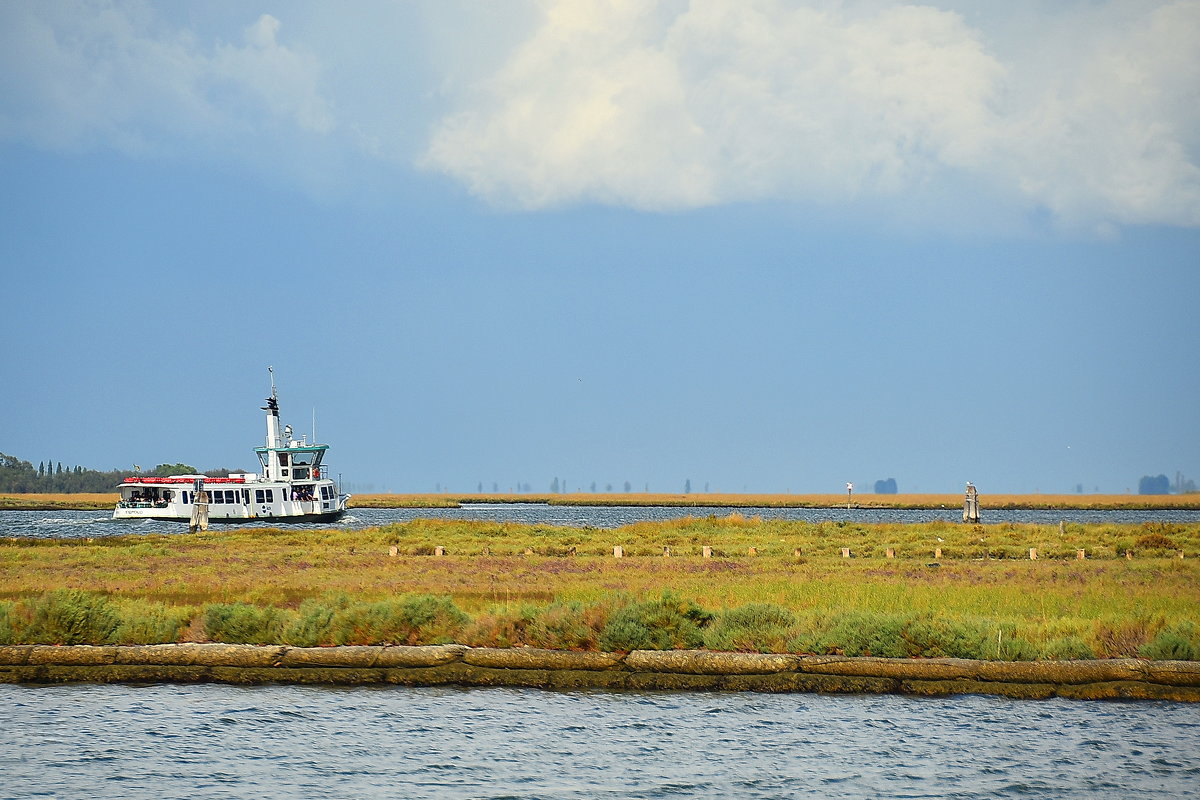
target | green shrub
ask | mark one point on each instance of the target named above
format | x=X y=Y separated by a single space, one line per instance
x=499 y=627
x=239 y=623
x=1014 y=649
x=756 y=627
x=70 y=616
x=893 y=635
x=663 y=624
x=144 y=622
x=865 y=633
x=8 y=623
x=414 y=619
x=313 y=624
x=927 y=636
x=1068 y=647
x=1178 y=642
x=563 y=626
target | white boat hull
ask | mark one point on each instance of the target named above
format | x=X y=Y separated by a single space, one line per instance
x=166 y=515
x=232 y=502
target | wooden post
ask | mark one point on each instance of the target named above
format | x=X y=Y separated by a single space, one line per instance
x=439 y=551
x=891 y=552
x=1129 y=555
x=937 y=552
x=1062 y=528
x=1033 y=554
x=707 y=551
x=393 y=551
x=845 y=552
x=1181 y=554
x=1080 y=555
x=618 y=552
x=971 y=504
x=199 y=520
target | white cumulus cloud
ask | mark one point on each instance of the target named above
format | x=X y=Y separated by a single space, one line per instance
x=678 y=105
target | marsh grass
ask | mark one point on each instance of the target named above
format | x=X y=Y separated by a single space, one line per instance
x=620 y=623
x=318 y=587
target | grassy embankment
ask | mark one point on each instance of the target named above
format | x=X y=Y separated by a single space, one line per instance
x=90 y=502
x=983 y=599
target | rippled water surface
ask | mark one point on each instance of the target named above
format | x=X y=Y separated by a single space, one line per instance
x=100 y=523
x=212 y=741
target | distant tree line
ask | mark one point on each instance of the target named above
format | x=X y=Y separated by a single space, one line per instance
x=1161 y=484
x=51 y=477
x=886 y=487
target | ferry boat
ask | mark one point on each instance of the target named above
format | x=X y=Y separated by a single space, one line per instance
x=294 y=485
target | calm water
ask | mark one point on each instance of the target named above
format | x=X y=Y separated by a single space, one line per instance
x=100 y=523
x=158 y=742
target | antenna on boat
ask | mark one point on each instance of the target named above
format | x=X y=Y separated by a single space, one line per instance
x=314 y=424
x=273 y=400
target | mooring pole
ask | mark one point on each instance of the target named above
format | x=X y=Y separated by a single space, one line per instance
x=971 y=504
x=849 y=493
x=199 y=520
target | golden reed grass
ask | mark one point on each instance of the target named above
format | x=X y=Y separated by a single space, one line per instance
x=84 y=501
x=1024 y=501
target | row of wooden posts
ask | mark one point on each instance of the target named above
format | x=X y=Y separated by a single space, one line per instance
x=619 y=552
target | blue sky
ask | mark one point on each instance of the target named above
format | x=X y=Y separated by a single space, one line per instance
x=764 y=246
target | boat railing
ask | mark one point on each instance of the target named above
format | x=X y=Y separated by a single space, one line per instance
x=142 y=504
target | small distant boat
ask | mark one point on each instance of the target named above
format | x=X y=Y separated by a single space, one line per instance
x=293 y=486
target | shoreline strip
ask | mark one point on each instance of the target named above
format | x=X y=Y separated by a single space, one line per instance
x=640 y=670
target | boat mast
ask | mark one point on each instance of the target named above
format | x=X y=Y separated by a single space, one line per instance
x=274 y=435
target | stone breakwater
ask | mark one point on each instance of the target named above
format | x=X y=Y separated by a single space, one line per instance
x=641 y=670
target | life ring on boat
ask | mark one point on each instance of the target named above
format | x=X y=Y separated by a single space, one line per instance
x=317 y=474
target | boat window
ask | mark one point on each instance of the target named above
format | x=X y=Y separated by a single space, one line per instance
x=229 y=496
x=245 y=495
x=302 y=459
x=283 y=459
x=217 y=498
x=258 y=496
x=270 y=495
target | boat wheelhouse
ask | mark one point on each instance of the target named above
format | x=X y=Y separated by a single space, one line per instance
x=294 y=485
